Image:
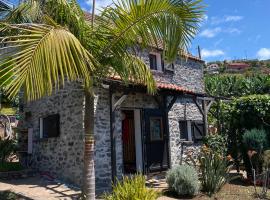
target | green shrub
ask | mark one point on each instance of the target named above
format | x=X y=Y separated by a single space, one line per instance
x=131 y=188
x=255 y=139
x=7 y=148
x=183 y=180
x=254 y=143
x=10 y=166
x=217 y=142
x=214 y=170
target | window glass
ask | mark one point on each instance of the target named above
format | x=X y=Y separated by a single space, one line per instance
x=51 y=126
x=153 y=61
x=156 y=128
x=183 y=130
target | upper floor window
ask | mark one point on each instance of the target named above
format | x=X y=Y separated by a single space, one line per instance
x=153 y=61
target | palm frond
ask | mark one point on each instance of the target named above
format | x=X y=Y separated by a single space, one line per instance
x=131 y=69
x=43 y=58
x=174 y=22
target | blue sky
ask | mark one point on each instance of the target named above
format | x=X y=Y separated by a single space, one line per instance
x=232 y=29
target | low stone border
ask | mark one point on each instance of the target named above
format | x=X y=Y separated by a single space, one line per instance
x=17 y=174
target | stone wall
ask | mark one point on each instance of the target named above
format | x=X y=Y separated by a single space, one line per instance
x=183 y=109
x=61 y=156
x=187 y=73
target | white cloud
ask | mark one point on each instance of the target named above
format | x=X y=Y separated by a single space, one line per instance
x=212 y=53
x=100 y=4
x=233 y=18
x=226 y=18
x=233 y=31
x=218 y=42
x=263 y=54
x=210 y=33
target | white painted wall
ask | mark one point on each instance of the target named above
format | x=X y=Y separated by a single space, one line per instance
x=138 y=140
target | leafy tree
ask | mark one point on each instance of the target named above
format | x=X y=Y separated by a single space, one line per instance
x=51 y=43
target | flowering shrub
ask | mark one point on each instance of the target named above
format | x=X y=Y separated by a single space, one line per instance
x=214 y=169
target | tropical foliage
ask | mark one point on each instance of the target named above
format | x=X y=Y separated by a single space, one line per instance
x=240 y=115
x=132 y=188
x=217 y=143
x=237 y=85
x=7 y=148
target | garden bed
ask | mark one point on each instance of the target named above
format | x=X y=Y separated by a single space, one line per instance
x=237 y=190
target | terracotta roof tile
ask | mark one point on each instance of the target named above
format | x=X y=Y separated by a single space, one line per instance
x=164 y=86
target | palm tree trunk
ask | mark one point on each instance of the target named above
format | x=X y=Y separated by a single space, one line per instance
x=89 y=148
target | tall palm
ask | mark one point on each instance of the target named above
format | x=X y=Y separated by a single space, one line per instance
x=51 y=43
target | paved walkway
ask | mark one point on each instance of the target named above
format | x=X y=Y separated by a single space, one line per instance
x=37 y=189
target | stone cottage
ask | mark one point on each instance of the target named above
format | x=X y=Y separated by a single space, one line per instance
x=134 y=131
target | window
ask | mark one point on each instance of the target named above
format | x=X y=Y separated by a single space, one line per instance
x=197 y=131
x=156 y=128
x=153 y=61
x=183 y=130
x=50 y=126
x=191 y=130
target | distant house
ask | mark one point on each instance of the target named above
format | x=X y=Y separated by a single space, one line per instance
x=212 y=69
x=237 y=67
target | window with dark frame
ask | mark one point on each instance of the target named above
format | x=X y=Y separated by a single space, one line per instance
x=196 y=134
x=153 y=61
x=51 y=126
x=197 y=131
x=183 y=130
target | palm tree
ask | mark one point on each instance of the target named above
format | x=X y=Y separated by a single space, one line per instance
x=51 y=44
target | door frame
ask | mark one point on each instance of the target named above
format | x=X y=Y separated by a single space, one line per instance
x=166 y=138
x=138 y=126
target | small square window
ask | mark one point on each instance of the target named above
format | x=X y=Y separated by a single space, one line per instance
x=156 y=128
x=183 y=130
x=153 y=61
x=50 y=126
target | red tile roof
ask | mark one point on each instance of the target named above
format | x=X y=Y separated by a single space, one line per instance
x=173 y=87
x=238 y=65
x=161 y=85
